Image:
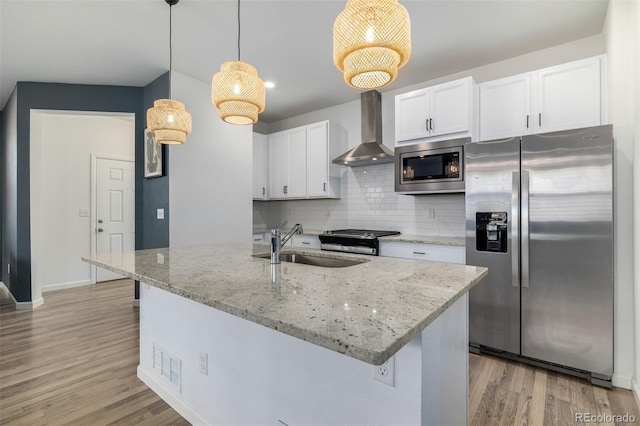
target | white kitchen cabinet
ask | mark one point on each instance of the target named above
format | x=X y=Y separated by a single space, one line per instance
x=505 y=107
x=305 y=241
x=562 y=97
x=431 y=252
x=260 y=177
x=287 y=159
x=435 y=113
x=300 y=165
x=570 y=96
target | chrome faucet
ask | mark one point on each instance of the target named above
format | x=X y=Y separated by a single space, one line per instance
x=277 y=242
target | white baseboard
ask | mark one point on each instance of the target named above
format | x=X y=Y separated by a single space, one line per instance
x=621 y=381
x=184 y=409
x=636 y=390
x=22 y=306
x=62 y=286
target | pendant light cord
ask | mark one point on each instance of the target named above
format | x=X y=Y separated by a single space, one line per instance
x=238 y=30
x=170 y=47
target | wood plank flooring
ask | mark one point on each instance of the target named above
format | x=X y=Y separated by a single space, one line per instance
x=73 y=362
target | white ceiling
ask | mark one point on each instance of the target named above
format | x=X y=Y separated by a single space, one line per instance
x=125 y=42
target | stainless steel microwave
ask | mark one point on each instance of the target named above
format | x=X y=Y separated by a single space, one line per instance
x=431 y=167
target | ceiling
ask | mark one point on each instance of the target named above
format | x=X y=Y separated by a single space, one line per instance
x=125 y=42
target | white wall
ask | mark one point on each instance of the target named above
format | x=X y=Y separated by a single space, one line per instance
x=636 y=200
x=60 y=167
x=370 y=200
x=210 y=176
x=621 y=35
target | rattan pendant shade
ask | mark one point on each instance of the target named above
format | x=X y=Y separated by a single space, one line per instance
x=170 y=122
x=168 y=119
x=238 y=93
x=371 y=40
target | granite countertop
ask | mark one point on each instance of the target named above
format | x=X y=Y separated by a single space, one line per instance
x=367 y=311
x=426 y=239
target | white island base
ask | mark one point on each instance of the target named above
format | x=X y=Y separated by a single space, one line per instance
x=259 y=376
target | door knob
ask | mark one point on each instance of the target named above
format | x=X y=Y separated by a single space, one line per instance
x=100 y=221
x=100 y=229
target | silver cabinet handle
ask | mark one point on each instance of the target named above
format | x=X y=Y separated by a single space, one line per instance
x=419 y=252
x=525 y=229
x=515 y=229
x=263 y=191
x=426 y=124
x=540 y=119
x=324 y=186
x=527 y=121
x=306 y=242
x=430 y=124
x=100 y=230
x=285 y=188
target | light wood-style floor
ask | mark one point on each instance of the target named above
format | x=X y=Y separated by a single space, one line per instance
x=73 y=362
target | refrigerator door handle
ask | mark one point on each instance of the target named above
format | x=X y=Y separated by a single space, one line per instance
x=525 y=229
x=515 y=229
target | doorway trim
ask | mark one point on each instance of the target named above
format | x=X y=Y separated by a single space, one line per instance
x=94 y=201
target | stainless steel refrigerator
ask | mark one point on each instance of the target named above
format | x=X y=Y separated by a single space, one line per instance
x=539 y=215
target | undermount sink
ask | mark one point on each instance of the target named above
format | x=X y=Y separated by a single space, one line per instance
x=307 y=259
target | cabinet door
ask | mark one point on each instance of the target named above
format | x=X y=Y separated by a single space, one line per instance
x=317 y=160
x=449 y=105
x=278 y=164
x=569 y=96
x=505 y=107
x=412 y=112
x=297 y=180
x=259 y=167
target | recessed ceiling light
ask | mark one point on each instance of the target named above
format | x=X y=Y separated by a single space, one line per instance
x=269 y=84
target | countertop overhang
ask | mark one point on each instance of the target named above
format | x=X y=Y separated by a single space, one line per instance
x=367 y=311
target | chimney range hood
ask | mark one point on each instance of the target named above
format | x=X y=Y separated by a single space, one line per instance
x=371 y=151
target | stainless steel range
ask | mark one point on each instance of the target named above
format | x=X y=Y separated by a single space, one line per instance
x=363 y=241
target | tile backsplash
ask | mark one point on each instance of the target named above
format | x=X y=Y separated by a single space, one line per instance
x=369 y=202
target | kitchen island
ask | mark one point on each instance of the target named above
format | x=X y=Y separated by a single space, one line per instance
x=241 y=341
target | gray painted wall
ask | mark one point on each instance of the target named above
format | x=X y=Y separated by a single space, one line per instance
x=16 y=235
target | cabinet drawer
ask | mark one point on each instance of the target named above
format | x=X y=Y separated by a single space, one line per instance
x=431 y=252
x=305 y=241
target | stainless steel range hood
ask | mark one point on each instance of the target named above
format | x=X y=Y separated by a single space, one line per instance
x=371 y=151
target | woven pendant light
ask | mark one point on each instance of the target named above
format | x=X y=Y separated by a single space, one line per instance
x=237 y=91
x=371 y=40
x=168 y=119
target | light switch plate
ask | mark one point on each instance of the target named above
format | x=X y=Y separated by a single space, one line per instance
x=160 y=213
x=83 y=212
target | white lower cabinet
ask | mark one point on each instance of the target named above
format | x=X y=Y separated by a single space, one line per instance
x=431 y=252
x=305 y=241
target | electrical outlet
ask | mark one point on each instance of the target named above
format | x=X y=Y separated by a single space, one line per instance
x=386 y=373
x=160 y=214
x=203 y=363
x=83 y=212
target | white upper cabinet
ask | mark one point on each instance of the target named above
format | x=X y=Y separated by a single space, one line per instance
x=562 y=97
x=317 y=165
x=435 y=113
x=569 y=96
x=260 y=182
x=300 y=165
x=505 y=107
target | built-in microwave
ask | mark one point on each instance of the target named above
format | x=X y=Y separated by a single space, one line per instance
x=430 y=167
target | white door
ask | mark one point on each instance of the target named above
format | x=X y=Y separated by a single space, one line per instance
x=115 y=203
x=412 y=113
x=317 y=160
x=449 y=107
x=569 y=96
x=505 y=107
